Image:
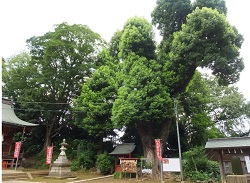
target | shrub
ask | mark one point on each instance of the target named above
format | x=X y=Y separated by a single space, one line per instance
x=196 y=165
x=87 y=159
x=195 y=175
x=86 y=156
x=104 y=163
x=75 y=165
x=118 y=175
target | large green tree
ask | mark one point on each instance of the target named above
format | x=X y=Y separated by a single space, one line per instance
x=93 y=106
x=149 y=85
x=142 y=100
x=50 y=77
x=228 y=109
x=169 y=15
x=194 y=106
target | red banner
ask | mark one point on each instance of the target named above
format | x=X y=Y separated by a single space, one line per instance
x=49 y=154
x=158 y=148
x=17 y=149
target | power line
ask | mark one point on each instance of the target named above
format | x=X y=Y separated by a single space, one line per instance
x=45 y=110
x=56 y=103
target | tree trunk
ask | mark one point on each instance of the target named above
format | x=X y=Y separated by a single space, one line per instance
x=49 y=131
x=164 y=133
x=100 y=144
x=147 y=140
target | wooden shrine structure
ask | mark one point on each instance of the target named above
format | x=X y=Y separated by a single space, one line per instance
x=123 y=152
x=224 y=150
x=11 y=124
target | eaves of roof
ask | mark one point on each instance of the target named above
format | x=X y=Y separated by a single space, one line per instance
x=223 y=143
x=9 y=117
x=125 y=148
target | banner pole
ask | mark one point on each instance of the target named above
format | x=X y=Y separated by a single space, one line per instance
x=178 y=137
x=51 y=157
x=17 y=158
x=161 y=165
x=16 y=163
x=20 y=147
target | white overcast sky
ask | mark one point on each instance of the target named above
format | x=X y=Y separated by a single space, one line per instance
x=22 y=19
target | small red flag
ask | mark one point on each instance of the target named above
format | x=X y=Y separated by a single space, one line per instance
x=17 y=149
x=49 y=154
x=158 y=148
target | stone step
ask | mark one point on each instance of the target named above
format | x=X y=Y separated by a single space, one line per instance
x=15 y=176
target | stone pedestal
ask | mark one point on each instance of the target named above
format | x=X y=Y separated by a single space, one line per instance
x=61 y=166
x=238 y=178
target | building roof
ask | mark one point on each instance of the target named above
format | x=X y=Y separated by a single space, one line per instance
x=227 y=148
x=125 y=148
x=224 y=143
x=9 y=117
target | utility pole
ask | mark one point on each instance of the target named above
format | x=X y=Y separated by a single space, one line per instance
x=178 y=137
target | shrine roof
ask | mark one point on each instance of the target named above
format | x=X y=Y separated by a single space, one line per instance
x=223 y=143
x=9 y=117
x=125 y=148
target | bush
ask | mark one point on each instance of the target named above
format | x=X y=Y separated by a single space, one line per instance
x=38 y=161
x=86 y=156
x=87 y=159
x=104 y=163
x=196 y=165
x=75 y=165
x=195 y=175
x=118 y=175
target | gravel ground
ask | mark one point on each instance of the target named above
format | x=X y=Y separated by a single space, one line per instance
x=82 y=177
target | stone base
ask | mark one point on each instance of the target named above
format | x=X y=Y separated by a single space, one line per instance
x=60 y=172
x=238 y=178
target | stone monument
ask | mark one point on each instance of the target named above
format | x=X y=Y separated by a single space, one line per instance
x=60 y=168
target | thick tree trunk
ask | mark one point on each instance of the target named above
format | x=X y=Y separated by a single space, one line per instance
x=164 y=133
x=147 y=140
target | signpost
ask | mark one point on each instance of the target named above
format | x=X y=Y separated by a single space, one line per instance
x=129 y=165
x=171 y=165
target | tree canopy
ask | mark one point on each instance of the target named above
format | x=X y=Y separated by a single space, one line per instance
x=132 y=82
x=49 y=77
x=149 y=85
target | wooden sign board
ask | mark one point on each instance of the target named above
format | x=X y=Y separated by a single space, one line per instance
x=129 y=165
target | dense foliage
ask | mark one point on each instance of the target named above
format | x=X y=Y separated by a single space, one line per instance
x=75 y=86
x=105 y=163
x=43 y=82
x=198 y=167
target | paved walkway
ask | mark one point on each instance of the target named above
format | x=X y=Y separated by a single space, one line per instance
x=11 y=171
x=18 y=181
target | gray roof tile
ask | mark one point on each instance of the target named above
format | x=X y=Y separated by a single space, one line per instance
x=228 y=143
x=125 y=148
x=9 y=117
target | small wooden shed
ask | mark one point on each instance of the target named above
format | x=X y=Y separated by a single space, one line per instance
x=224 y=149
x=124 y=150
